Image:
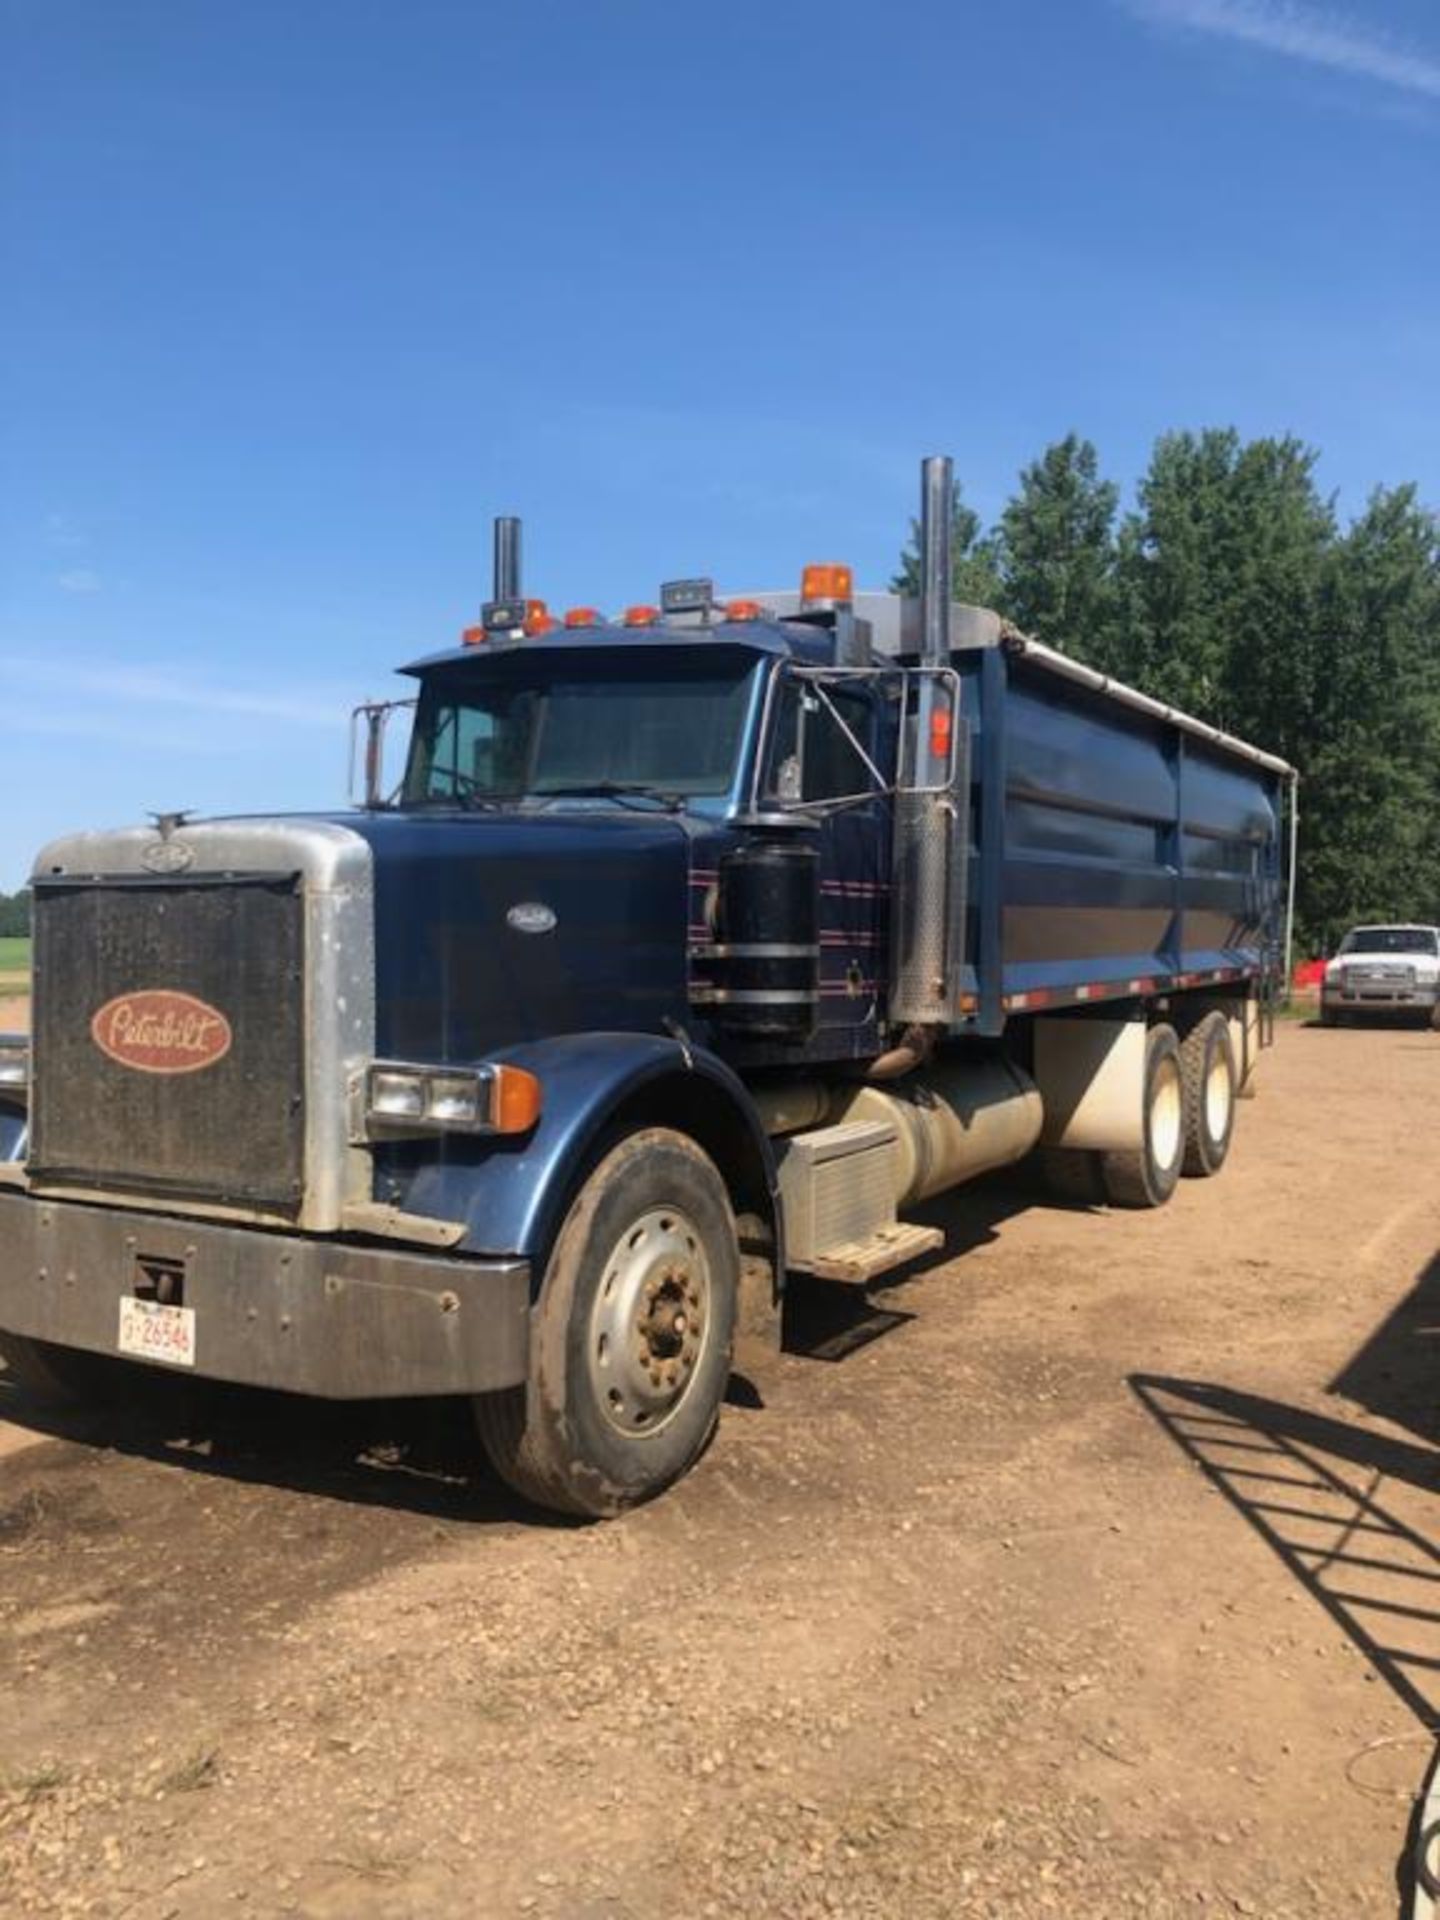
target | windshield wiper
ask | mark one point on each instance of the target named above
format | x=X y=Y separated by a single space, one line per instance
x=464 y=799
x=612 y=790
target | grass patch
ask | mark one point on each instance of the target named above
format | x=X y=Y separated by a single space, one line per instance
x=14 y=965
x=33 y=1783
x=200 y=1770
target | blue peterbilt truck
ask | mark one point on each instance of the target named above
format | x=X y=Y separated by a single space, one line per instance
x=694 y=950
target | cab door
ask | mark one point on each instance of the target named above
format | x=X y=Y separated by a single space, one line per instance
x=830 y=742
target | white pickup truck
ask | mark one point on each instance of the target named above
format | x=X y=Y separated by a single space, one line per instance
x=1383 y=969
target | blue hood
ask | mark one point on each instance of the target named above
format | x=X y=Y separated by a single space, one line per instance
x=457 y=973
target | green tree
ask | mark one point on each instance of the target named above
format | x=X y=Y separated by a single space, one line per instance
x=974 y=562
x=1056 y=549
x=15 y=914
x=1219 y=580
x=1370 y=805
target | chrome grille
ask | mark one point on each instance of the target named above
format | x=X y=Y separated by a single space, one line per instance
x=129 y=970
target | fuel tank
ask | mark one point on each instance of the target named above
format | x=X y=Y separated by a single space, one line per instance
x=957 y=1119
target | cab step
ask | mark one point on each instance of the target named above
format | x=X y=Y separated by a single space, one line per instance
x=837 y=1185
x=861 y=1260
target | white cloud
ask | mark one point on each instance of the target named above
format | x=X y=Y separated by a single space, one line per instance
x=152 y=690
x=1301 y=33
x=63 y=531
x=78 y=580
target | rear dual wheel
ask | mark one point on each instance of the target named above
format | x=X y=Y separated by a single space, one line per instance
x=1188 y=1114
x=631 y=1336
x=1147 y=1176
x=1207 y=1069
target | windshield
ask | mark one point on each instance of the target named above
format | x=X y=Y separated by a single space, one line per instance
x=1389 y=940
x=530 y=728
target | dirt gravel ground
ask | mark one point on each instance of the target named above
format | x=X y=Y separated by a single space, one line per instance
x=1087 y=1572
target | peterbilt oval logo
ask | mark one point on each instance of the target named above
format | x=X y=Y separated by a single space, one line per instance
x=167 y=856
x=156 y=1030
x=531 y=916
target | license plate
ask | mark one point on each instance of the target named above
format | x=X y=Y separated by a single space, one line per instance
x=152 y=1332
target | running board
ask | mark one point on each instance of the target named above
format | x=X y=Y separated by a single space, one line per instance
x=859 y=1261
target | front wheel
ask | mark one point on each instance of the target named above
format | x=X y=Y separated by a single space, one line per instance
x=631 y=1336
x=1148 y=1176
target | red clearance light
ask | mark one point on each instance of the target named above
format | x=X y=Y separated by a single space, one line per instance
x=940 y=731
x=584 y=617
x=641 y=616
x=537 y=618
x=472 y=637
x=828 y=582
x=743 y=610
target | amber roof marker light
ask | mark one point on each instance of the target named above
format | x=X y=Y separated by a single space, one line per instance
x=826 y=584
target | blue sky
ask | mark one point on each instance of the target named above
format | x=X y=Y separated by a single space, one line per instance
x=298 y=295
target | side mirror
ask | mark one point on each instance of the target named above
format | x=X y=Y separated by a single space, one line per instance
x=369 y=725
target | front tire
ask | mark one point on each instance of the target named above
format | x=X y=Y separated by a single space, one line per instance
x=1148 y=1177
x=1207 y=1068
x=631 y=1337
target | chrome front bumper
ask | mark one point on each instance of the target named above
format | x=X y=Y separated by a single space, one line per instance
x=326 y=1317
x=1379 y=998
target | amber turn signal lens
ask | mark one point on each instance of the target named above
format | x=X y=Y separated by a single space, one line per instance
x=472 y=637
x=828 y=582
x=743 y=610
x=641 y=616
x=583 y=617
x=514 y=1100
x=537 y=618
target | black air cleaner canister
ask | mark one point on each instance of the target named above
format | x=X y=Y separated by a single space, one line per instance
x=765 y=963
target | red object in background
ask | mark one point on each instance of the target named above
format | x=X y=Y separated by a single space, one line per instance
x=1309 y=973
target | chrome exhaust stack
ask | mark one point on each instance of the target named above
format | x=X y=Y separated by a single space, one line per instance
x=937 y=533
x=931 y=804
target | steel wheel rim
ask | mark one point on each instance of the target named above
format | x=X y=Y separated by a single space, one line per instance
x=1167 y=1116
x=1217 y=1097
x=650 y=1325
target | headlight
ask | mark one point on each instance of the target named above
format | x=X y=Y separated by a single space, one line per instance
x=401 y=1100
x=14 y=1066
